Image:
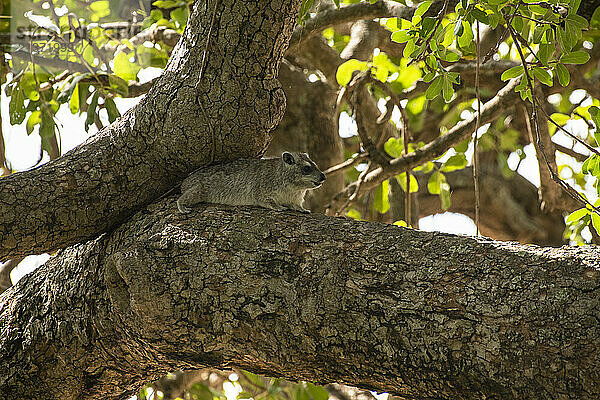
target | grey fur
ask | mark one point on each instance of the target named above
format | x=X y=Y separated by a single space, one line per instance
x=276 y=183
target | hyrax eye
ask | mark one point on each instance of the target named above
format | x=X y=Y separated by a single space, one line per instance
x=306 y=169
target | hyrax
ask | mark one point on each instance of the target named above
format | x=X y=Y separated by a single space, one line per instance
x=276 y=183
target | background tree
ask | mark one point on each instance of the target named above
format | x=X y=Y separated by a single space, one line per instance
x=408 y=76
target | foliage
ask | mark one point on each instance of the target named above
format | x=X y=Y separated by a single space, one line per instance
x=104 y=60
x=551 y=37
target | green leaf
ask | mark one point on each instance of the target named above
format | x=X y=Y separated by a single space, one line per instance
x=244 y=395
x=589 y=164
x=577 y=21
x=544 y=52
x=409 y=48
x=34 y=119
x=560 y=118
x=543 y=76
x=29 y=86
x=381 y=201
x=118 y=85
x=458 y=28
x=564 y=41
x=304 y=9
x=414 y=185
x=512 y=73
x=457 y=161
x=111 y=109
x=434 y=88
x=401 y=36
x=422 y=8
x=466 y=38
x=91 y=112
x=480 y=16
x=445 y=196
x=595 y=22
x=84 y=93
x=596 y=222
x=448 y=89
x=63 y=96
x=394 y=147
x=74 y=100
x=345 y=71
x=46 y=130
x=16 y=107
x=354 y=214
x=166 y=3
x=180 y=15
x=595 y=114
x=435 y=181
x=427 y=26
x=577 y=215
x=317 y=392
x=563 y=74
x=538 y=33
x=576 y=57
x=124 y=68
x=448 y=55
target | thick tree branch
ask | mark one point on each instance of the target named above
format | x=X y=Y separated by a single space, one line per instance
x=182 y=123
x=417 y=314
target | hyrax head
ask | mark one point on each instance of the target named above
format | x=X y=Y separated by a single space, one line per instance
x=303 y=170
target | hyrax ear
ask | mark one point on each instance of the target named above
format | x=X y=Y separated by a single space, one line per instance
x=288 y=158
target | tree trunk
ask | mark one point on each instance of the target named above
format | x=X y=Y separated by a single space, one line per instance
x=418 y=314
x=217 y=100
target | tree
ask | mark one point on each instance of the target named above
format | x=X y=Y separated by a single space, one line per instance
x=417 y=314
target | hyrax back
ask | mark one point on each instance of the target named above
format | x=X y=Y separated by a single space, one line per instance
x=276 y=183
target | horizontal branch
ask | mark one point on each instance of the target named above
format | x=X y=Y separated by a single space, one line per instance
x=417 y=314
x=353 y=12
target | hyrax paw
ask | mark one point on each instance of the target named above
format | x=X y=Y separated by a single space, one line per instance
x=183 y=209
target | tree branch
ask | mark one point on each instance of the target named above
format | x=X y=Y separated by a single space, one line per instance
x=489 y=111
x=142 y=155
x=417 y=314
x=353 y=12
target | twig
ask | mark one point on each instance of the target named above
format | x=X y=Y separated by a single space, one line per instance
x=538 y=140
x=355 y=195
x=355 y=85
x=406 y=136
x=574 y=137
x=475 y=138
x=570 y=152
x=439 y=17
x=349 y=163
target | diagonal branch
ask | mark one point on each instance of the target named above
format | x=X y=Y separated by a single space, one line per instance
x=489 y=111
x=95 y=187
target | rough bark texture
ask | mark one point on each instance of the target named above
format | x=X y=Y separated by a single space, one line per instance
x=418 y=314
x=182 y=123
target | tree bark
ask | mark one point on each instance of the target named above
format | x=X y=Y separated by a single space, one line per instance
x=417 y=314
x=185 y=121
